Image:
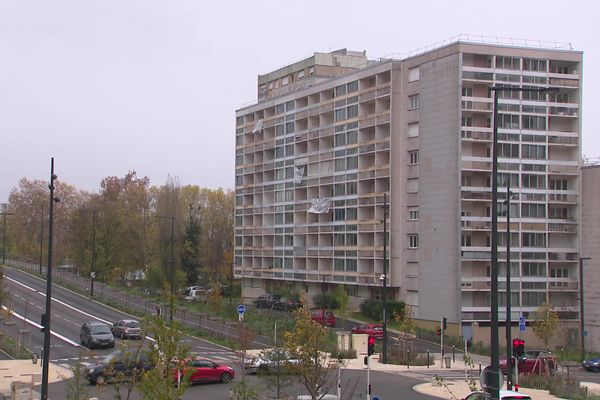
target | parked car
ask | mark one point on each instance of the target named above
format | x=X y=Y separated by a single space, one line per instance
x=504 y=395
x=267 y=300
x=323 y=317
x=96 y=334
x=127 y=329
x=534 y=362
x=375 y=330
x=269 y=361
x=288 y=304
x=592 y=365
x=198 y=370
x=118 y=364
x=196 y=295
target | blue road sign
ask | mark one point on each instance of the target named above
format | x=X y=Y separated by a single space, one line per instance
x=241 y=309
x=375 y=398
x=584 y=333
x=522 y=321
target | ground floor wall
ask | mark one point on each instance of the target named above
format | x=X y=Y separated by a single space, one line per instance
x=566 y=336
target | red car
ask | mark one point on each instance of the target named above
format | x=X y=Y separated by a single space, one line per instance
x=323 y=318
x=534 y=362
x=202 y=370
x=375 y=330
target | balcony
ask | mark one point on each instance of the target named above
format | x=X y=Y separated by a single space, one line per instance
x=562 y=228
x=563 y=285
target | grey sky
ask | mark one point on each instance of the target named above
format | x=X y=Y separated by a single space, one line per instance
x=110 y=86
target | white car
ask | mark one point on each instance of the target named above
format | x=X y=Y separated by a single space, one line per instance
x=504 y=395
x=264 y=363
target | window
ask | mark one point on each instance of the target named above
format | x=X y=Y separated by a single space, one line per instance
x=508 y=150
x=559 y=273
x=559 y=184
x=352 y=111
x=351 y=239
x=352 y=137
x=279 y=108
x=413 y=215
x=413 y=130
x=533 y=299
x=339 y=239
x=467 y=121
x=413 y=74
x=413 y=102
x=508 y=121
x=508 y=62
x=284 y=81
x=351 y=214
x=533 y=181
x=534 y=269
x=301 y=75
x=466 y=180
x=534 y=122
x=533 y=210
x=340 y=114
x=413 y=157
x=533 y=151
x=352 y=162
x=351 y=188
x=353 y=86
x=412 y=185
x=339 y=214
x=340 y=90
x=340 y=164
x=311 y=71
x=465 y=240
x=413 y=241
x=530 y=239
x=532 y=64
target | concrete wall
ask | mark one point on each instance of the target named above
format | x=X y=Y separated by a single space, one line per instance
x=590 y=247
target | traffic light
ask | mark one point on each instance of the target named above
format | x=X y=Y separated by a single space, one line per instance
x=371 y=345
x=43 y=323
x=444 y=323
x=518 y=347
x=439 y=332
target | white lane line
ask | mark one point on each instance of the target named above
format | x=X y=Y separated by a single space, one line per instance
x=66 y=305
x=58 y=335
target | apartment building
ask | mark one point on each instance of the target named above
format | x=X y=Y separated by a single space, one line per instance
x=590 y=251
x=318 y=151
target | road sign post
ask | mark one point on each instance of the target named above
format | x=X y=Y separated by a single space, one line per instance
x=241 y=309
x=522 y=323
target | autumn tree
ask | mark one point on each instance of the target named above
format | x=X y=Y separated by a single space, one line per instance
x=545 y=324
x=190 y=248
x=307 y=343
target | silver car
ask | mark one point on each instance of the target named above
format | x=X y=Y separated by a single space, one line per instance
x=127 y=329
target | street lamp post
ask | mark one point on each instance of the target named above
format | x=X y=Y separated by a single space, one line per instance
x=41 y=236
x=172 y=264
x=93 y=271
x=46 y=320
x=508 y=292
x=384 y=276
x=4 y=214
x=581 y=314
x=323 y=298
x=494 y=389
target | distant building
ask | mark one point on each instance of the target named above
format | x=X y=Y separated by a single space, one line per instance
x=590 y=247
x=331 y=134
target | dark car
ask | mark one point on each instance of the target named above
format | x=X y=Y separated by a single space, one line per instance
x=127 y=329
x=323 y=318
x=199 y=370
x=592 y=365
x=288 y=304
x=118 y=365
x=375 y=330
x=267 y=300
x=96 y=334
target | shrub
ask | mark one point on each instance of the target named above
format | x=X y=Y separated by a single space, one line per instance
x=374 y=309
x=325 y=301
x=344 y=354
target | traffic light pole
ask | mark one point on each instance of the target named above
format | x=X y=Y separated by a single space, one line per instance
x=368 y=377
x=442 y=342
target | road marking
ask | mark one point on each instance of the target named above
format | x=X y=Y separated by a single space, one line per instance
x=58 y=335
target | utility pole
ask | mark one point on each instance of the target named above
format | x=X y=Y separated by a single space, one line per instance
x=509 y=379
x=41 y=236
x=93 y=272
x=385 y=269
x=4 y=214
x=46 y=359
x=581 y=313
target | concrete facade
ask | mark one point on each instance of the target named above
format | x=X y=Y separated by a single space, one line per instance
x=590 y=247
x=418 y=130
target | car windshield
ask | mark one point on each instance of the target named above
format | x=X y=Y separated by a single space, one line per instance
x=133 y=324
x=100 y=329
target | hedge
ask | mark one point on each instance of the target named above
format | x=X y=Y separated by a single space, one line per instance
x=374 y=309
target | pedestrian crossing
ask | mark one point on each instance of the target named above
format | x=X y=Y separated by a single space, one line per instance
x=446 y=374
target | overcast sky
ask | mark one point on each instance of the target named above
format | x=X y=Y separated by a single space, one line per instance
x=110 y=86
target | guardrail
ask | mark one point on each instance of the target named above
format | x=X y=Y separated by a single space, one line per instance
x=140 y=305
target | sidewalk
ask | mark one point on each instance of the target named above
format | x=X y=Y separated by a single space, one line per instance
x=26 y=371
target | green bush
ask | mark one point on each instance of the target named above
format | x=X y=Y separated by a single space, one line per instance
x=327 y=300
x=344 y=354
x=374 y=309
x=557 y=385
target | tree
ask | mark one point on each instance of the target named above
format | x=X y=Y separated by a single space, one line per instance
x=406 y=321
x=215 y=298
x=342 y=299
x=307 y=344
x=545 y=324
x=158 y=383
x=190 y=248
x=279 y=375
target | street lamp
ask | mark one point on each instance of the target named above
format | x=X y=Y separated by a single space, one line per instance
x=4 y=214
x=172 y=263
x=323 y=298
x=41 y=235
x=384 y=278
x=46 y=320
x=508 y=291
x=581 y=320
x=494 y=389
x=93 y=271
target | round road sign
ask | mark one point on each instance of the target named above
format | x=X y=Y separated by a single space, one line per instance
x=241 y=309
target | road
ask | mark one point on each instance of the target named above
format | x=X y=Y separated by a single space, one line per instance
x=70 y=310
